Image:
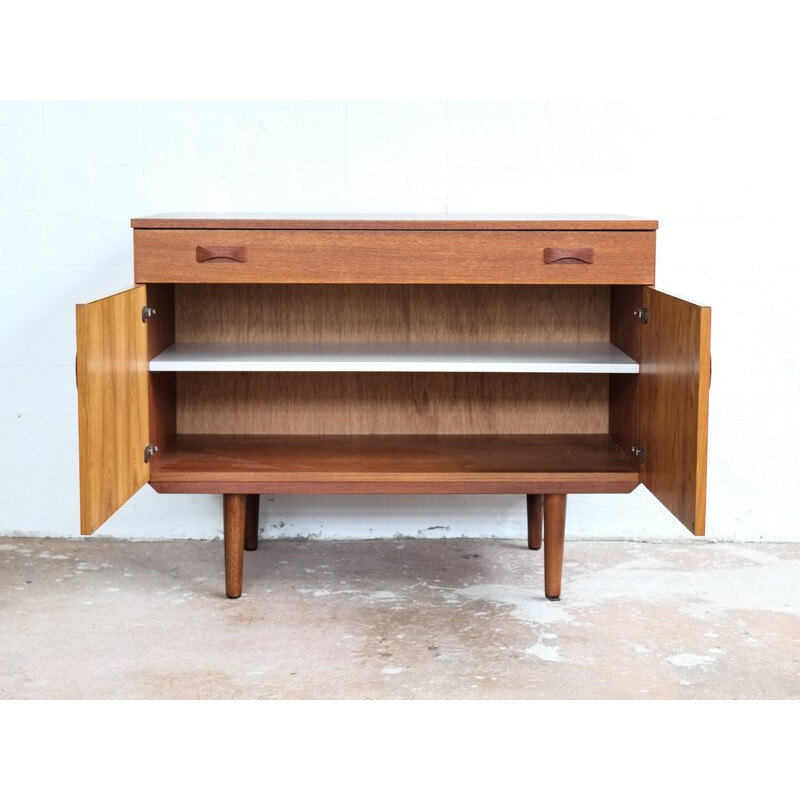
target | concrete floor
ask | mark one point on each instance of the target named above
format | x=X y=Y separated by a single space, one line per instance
x=100 y=618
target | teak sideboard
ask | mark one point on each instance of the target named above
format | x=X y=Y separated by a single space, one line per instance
x=262 y=354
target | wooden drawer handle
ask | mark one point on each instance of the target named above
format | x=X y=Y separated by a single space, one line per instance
x=575 y=255
x=229 y=252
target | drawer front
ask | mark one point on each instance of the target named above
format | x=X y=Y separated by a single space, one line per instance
x=286 y=256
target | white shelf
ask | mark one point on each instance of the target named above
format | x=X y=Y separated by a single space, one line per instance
x=594 y=357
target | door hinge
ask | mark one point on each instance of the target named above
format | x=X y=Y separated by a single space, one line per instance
x=641 y=314
x=638 y=453
x=149 y=452
x=148 y=312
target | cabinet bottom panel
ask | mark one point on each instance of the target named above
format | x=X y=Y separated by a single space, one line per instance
x=394 y=464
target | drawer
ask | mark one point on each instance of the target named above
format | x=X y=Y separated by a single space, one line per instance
x=380 y=256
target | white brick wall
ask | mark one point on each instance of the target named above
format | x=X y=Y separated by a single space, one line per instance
x=721 y=179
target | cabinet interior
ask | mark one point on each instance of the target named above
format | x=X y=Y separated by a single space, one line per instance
x=353 y=403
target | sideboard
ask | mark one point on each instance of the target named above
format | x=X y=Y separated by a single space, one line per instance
x=439 y=354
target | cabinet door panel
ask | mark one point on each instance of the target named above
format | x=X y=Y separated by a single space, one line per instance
x=675 y=374
x=112 y=372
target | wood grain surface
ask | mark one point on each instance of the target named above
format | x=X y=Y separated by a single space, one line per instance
x=362 y=403
x=161 y=386
x=234 y=517
x=626 y=333
x=395 y=464
x=112 y=381
x=555 y=517
x=534 y=504
x=380 y=256
x=251 y=522
x=593 y=222
x=284 y=313
x=673 y=405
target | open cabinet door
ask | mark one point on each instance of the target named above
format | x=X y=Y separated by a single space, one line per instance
x=675 y=374
x=112 y=371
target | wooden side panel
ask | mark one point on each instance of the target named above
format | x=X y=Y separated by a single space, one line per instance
x=625 y=333
x=160 y=335
x=112 y=403
x=161 y=327
x=673 y=405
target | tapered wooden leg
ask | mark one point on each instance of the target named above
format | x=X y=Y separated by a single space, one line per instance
x=251 y=522
x=234 y=506
x=555 y=515
x=535 y=516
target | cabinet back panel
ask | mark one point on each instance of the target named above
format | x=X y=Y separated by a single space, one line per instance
x=362 y=403
x=380 y=313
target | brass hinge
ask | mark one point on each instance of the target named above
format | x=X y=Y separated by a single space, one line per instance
x=641 y=314
x=149 y=452
x=638 y=453
x=148 y=312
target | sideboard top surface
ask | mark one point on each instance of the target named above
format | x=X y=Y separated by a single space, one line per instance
x=437 y=222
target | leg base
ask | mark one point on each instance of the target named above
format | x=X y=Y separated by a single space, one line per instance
x=535 y=505
x=251 y=522
x=234 y=516
x=555 y=512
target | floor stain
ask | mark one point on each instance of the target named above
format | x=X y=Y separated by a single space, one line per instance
x=422 y=619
